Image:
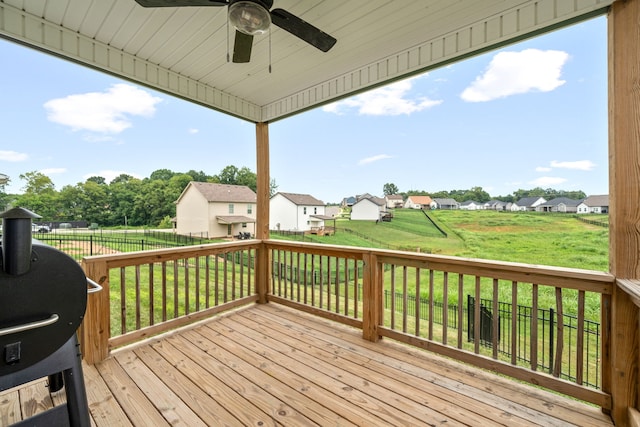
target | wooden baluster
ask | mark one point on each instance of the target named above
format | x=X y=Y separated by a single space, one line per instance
x=514 y=322
x=151 y=296
x=417 y=304
x=533 y=355
x=460 y=307
x=557 y=366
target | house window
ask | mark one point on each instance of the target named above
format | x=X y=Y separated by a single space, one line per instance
x=304 y=210
x=244 y=225
x=230 y=208
x=249 y=209
x=315 y=211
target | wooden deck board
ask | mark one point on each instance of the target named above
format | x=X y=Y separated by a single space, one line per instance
x=270 y=365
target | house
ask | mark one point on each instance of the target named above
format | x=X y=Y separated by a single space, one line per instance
x=497 y=205
x=332 y=211
x=368 y=209
x=528 y=203
x=446 y=203
x=594 y=204
x=394 y=201
x=559 y=204
x=216 y=210
x=296 y=212
x=471 y=205
x=348 y=202
x=418 y=202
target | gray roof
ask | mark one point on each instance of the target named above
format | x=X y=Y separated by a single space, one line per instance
x=302 y=199
x=445 y=202
x=528 y=201
x=375 y=200
x=562 y=200
x=394 y=197
x=223 y=192
x=600 y=200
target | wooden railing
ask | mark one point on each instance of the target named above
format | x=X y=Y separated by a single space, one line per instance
x=146 y=293
x=347 y=284
x=625 y=360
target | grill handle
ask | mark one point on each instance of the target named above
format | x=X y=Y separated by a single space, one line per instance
x=95 y=287
x=28 y=326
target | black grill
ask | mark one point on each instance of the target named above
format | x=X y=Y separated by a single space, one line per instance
x=43 y=297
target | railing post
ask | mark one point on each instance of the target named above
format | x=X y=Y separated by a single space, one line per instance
x=95 y=330
x=372 y=298
x=624 y=198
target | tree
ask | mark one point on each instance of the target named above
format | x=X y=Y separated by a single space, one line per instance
x=37 y=183
x=39 y=195
x=97 y=179
x=389 y=189
x=228 y=175
x=161 y=174
x=199 y=176
x=234 y=176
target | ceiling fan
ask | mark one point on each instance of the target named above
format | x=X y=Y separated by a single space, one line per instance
x=253 y=17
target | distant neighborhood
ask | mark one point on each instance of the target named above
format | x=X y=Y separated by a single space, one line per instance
x=224 y=210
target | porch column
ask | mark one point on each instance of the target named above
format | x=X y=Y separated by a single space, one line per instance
x=262 y=210
x=624 y=201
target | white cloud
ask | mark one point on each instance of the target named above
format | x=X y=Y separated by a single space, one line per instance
x=110 y=175
x=103 y=112
x=583 y=165
x=13 y=156
x=391 y=100
x=193 y=131
x=53 y=171
x=543 y=169
x=546 y=181
x=372 y=159
x=511 y=73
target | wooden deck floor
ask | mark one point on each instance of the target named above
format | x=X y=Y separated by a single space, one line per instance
x=270 y=365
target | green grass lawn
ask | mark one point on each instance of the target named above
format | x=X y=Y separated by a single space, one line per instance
x=527 y=237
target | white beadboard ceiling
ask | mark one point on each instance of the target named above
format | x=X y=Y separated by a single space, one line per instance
x=183 y=50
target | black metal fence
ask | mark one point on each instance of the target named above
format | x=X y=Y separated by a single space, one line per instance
x=547 y=324
x=79 y=245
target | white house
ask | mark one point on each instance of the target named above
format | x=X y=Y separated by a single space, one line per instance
x=296 y=212
x=368 y=209
x=216 y=210
x=393 y=201
x=470 y=205
x=418 y=202
x=528 y=203
x=594 y=204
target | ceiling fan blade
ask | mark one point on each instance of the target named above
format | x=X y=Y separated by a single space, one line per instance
x=181 y=3
x=302 y=29
x=242 y=47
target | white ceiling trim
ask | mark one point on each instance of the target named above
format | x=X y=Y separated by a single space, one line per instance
x=525 y=18
x=518 y=23
x=20 y=26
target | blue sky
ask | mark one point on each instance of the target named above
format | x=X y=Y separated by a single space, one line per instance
x=528 y=115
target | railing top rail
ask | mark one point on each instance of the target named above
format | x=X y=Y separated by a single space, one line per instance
x=319 y=249
x=572 y=278
x=632 y=288
x=169 y=254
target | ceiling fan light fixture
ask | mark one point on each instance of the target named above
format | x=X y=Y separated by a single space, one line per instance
x=249 y=18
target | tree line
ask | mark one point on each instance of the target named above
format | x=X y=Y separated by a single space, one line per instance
x=125 y=200
x=479 y=195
